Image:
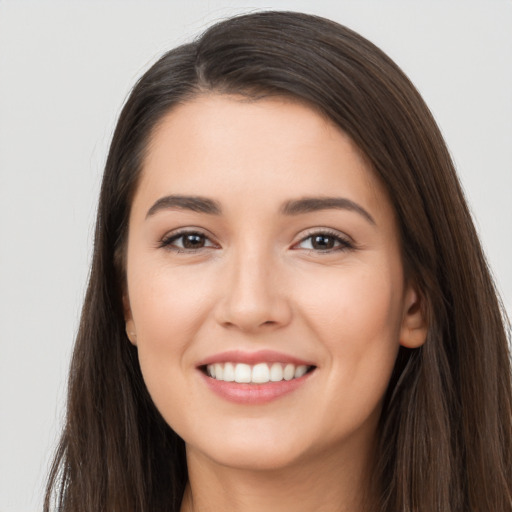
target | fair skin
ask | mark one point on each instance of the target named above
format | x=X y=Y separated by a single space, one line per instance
x=227 y=264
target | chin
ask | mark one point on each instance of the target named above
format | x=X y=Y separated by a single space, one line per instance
x=252 y=458
x=265 y=451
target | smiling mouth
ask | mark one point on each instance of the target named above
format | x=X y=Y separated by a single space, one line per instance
x=261 y=373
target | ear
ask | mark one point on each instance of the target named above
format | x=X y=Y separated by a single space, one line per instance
x=129 y=323
x=414 y=329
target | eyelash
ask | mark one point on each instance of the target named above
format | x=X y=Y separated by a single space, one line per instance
x=168 y=241
x=343 y=244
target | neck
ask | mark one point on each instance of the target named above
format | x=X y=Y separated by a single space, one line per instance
x=327 y=484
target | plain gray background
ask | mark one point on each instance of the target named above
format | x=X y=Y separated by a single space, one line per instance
x=65 y=70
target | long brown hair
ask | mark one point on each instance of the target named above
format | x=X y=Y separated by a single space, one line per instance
x=445 y=439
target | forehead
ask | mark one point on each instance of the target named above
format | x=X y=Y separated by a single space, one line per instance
x=229 y=146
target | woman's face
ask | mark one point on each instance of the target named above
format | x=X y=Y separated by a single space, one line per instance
x=266 y=293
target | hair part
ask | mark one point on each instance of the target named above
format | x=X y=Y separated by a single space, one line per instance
x=445 y=439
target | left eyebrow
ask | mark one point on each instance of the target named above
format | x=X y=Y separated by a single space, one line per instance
x=313 y=204
x=192 y=203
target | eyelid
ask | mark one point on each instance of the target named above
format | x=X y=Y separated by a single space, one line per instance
x=167 y=240
x=345 y=242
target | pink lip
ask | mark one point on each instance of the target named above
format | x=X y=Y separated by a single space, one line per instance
x=253 y=394
x=261 y=356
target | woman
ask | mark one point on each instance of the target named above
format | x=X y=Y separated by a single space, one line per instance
x=288 y=304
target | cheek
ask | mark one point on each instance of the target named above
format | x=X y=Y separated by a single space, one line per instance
x=167 y=306
x=357 y=316
x=364 y=301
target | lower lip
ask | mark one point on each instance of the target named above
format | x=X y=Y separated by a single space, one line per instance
x=254 y=394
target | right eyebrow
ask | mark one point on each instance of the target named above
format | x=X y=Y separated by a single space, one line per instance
x=192 y=203
x=314 y=204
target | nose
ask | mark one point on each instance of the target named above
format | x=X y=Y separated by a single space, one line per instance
x=254 y=297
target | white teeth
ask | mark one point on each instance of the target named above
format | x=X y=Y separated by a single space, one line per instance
x=229 y=372
x=260 y=373
x=288 y=373
x=276 y=372
x=219 y=371
x=242 y=373
x=300 y=371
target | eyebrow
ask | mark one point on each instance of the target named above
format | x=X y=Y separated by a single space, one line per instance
x=192 y=203
x=313 y=204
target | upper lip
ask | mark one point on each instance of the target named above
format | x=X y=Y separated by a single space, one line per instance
x=251 y=358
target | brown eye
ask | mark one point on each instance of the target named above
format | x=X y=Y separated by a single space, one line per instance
x=324 y=242
x=193 y=241
x=187 y=241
